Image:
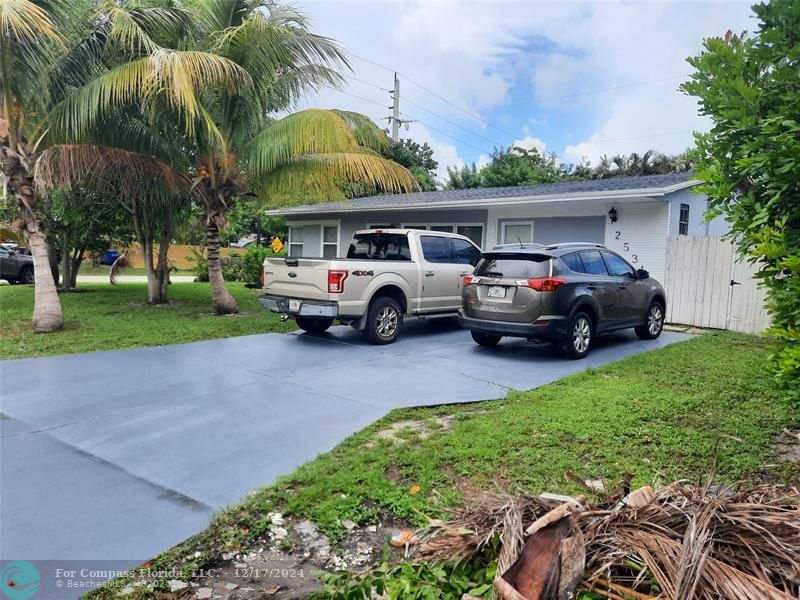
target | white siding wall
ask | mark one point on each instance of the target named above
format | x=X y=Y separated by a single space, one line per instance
x=643 y=227
x=534 y=211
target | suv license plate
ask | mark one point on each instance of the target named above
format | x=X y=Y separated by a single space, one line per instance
x=294 y=305
x=496 y=291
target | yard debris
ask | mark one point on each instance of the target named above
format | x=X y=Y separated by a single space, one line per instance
x=678 y=542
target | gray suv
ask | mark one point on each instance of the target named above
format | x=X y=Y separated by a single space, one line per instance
x=564 y=293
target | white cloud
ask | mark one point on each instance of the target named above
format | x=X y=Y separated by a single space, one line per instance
x=529 y=143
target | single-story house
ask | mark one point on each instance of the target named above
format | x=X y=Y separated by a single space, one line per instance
x=631 y=215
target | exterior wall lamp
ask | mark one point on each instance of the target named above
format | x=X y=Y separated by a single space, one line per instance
x=612 y=214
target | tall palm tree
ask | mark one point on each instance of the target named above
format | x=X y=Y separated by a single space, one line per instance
x=64 y=68
x=245 y=150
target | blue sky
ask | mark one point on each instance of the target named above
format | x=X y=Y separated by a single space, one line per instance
x=581 y=79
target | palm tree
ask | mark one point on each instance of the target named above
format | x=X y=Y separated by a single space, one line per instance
x=65 y=67
x=244 y=150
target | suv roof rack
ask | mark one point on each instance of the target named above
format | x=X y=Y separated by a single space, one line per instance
x=517 y=245
x=570 y=244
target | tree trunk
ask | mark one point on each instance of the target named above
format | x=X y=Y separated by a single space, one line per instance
x=224 y=302
x=77 y=259
x=52 y=259
x=47 y=314
x=66 y=264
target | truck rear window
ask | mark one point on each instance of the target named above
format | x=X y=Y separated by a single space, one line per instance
x=379 y=246
x=522 y=266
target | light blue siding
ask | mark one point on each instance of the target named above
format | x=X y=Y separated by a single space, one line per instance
x=698 y=204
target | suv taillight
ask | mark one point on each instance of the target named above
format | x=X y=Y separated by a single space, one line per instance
x=542 y=284
x=470 y=280
x=336 y=281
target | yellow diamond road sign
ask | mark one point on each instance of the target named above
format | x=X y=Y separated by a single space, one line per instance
x=277 y=245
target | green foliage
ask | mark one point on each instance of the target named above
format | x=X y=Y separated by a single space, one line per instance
x=750 y=160
x=516 y=166
x=416 y=158
x=412 y=581
x=649 y=163
x=253 y=264
x=200 y=261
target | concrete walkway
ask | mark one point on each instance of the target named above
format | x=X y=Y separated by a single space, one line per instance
x=119 y=455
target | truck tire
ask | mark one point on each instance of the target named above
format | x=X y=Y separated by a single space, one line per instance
x=313 y=324
x=384 y=320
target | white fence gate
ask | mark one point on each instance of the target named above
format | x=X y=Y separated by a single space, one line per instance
x=708 y=287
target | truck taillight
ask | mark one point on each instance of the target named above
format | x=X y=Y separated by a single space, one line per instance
x=542 y=284
x=336 y=281
x=470 y=280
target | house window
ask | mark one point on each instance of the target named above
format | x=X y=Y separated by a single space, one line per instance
x=514 y=233
x=473 y=231
x=330 y=241
x=295 y=241
x=683 y=221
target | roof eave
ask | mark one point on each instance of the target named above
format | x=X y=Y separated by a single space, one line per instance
x=652 y=193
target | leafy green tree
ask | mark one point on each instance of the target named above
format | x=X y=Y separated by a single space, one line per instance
x=464 y=178
x=515 y=166
x=634 y=164
x=416 y=158
x=749 y=161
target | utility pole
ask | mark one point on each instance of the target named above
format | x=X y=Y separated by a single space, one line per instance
x=396 y=110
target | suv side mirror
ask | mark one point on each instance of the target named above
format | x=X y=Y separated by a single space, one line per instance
x=642 y=274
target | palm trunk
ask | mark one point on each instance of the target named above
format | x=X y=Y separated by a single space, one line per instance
x=47 y=314
x=77 y=258
x=224 y=302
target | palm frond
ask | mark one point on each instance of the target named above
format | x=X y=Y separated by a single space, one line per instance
x=318 y=177
x=367 y=133
x=117 y=173
x=178 y=76
x=24 y=21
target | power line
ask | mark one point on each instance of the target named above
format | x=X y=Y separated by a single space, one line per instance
x=442 y=98
x=596 y=91
x=446 y=120
x=450 y=135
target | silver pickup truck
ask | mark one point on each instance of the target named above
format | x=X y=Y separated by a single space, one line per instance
x=387 y=273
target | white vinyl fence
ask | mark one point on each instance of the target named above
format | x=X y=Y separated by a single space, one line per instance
x=708 y=287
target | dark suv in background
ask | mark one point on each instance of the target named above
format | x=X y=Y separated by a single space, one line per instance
x=563 y=293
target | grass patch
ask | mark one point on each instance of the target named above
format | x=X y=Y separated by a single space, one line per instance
x=106 y=317
x=89 y=269
x=658 y=415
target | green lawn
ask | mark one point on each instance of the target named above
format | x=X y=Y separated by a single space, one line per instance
x=88 y=269
x=106 y=317
x=658 y=415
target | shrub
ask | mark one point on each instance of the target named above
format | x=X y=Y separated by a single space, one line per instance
x=252 y=263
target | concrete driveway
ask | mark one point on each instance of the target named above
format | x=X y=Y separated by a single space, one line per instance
x=119 y=455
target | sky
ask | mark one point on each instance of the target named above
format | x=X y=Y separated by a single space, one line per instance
x=581 y=79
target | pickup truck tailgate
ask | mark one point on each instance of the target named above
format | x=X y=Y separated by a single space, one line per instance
x=305 y=278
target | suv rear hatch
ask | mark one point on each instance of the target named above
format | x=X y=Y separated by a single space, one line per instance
x=508 y=287
x=305 y=278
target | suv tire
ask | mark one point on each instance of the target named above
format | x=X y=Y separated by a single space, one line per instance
x=313 y=324
x=654 y=322
x=580 y=336
x=26 y=276
x=384 y=320
x=486 y=339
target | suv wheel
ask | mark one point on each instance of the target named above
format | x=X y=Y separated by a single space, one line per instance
x=486 y=339
x=579 y=336
x=312 y=324
x=384 y=320
x=26 y=276
x=654 y=322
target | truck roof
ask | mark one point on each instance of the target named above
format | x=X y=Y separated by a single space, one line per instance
x=407 y=230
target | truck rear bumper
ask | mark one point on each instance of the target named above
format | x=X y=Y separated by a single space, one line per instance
x=306 y=308
x=546 y=328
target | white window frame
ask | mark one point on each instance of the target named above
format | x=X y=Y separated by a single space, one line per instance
x=289 y=242
x=320 y=225
x=503 y=230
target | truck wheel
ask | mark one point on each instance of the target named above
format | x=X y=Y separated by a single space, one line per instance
x=313 y=324
x=580 y=334
x=486 y=339
x=26 y=276
x=384 y=320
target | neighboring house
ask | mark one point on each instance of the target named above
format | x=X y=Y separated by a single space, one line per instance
x=631 y=215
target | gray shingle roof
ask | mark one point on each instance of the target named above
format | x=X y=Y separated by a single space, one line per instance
x=425 y=199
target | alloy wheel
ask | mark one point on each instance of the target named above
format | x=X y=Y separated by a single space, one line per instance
x=387 y=321
x=581 y=334
x=655 y=319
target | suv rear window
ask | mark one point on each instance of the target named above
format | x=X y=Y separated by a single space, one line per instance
x=379 y=246
x=523 y=266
